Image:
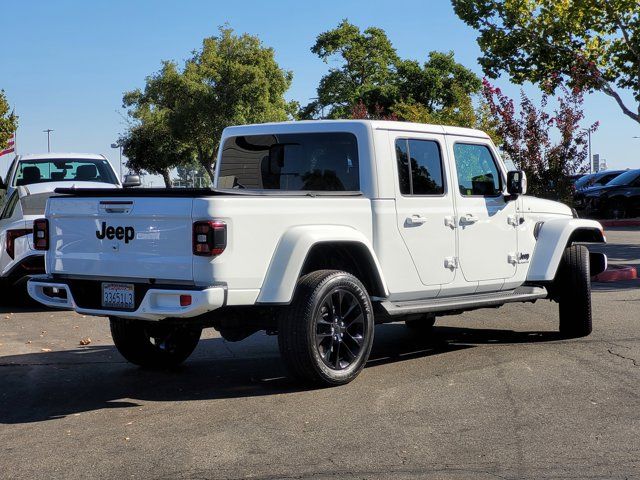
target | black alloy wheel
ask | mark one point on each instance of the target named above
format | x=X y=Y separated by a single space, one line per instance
x=340 y=329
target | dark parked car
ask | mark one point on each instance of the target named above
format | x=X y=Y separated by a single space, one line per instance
x=593 y=180
x=584 y=181
x=619 y=198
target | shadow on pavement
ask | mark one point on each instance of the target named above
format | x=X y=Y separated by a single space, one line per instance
x=43 y=386
x=617 y=286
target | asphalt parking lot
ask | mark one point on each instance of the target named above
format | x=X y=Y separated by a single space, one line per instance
x=490 y=394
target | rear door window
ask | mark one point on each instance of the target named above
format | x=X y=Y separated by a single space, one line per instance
x=419 y=167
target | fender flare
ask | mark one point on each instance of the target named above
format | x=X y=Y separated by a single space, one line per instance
x=291 y=252
x=554 y=236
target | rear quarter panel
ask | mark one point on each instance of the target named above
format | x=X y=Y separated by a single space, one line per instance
x=255 y=227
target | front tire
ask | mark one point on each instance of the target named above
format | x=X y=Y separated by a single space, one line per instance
x=325 y=335
x=574 y=288
x=153 y=344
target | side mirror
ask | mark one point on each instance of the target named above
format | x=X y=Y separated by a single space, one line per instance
x=516 y=183
x=131 y=181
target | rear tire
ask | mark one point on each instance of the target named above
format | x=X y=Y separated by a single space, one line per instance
x=153 y=344
x=573 y=284
x=325 y=335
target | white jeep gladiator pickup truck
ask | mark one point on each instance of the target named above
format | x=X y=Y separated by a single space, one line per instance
x=317 y=231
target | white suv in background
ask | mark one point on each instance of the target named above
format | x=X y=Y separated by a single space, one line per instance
x=30 y=180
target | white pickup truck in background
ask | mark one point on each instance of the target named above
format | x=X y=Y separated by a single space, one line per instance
x=30 y=180
x=316 y=231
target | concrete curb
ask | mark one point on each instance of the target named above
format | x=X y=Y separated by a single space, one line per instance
x=616 y=273
x=631 y=222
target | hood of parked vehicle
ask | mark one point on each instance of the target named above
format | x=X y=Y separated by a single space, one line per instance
x=541 y=205
x=595 y=191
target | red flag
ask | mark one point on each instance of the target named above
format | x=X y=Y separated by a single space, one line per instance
x=11 y=146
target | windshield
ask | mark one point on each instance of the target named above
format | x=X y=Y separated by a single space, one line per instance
x=603 y=177
x=583 y=181
x=63 y=170
x=625 y=179
x=301 y=161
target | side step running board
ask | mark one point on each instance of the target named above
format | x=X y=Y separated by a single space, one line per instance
x=466 y=302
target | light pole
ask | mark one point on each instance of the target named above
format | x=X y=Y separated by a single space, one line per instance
x=48 y=132
x=588 y=130
x=118 y=145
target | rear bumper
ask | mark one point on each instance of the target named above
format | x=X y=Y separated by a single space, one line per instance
x=157 y=303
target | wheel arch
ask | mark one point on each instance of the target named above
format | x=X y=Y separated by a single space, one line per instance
x=553 y=237
x=304 y=249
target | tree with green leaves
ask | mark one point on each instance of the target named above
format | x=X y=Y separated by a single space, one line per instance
x=366 y=71
x=437 y=84
x=191 y=174
x=372 y=81
x=8 y=121
x=180 y=114
x=584 y=44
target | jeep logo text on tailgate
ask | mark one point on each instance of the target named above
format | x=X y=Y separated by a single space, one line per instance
x=119 y=233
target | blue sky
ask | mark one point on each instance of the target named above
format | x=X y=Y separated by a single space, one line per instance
x=65 y=64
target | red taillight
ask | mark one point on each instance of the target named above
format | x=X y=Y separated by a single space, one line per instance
x=209 y=238
x=185 y=300
x=41 y=234
x=11 y=239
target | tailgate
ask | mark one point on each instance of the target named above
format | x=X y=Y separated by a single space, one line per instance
x=137 y=237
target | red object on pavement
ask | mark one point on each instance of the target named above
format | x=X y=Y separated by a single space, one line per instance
x=616 y=273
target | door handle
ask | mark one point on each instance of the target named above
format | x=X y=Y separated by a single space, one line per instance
x=416 y=220
x=468 y=218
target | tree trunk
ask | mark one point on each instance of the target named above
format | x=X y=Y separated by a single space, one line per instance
x=208 y=166
x=167 y=178
x=209 y=169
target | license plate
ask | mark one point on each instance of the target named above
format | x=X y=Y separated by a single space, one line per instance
x=118 y=295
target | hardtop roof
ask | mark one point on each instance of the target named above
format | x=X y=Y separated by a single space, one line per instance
x=331 y=125
x=62 y=156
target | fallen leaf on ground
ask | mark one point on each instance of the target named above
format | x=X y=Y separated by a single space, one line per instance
x=85 y=341
x=28 y=342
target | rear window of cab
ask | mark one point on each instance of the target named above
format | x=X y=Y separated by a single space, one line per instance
x=291 y=162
